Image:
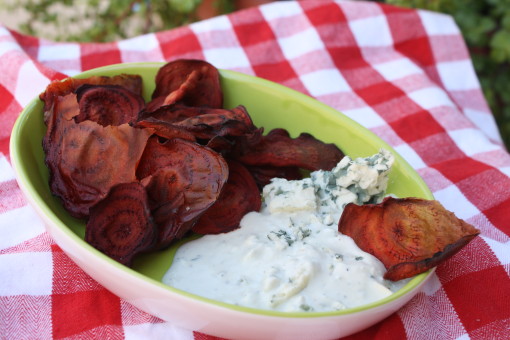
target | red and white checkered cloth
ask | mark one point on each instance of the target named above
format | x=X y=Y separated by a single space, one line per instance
x=404 y=74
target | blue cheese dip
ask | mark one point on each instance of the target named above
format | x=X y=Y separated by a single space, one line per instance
x=290 y=256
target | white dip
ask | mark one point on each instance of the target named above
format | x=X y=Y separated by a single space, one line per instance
x=290 y=256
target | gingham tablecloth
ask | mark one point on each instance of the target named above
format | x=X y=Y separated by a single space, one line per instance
x=404 y=74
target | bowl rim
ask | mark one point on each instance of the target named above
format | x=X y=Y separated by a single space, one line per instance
x=37 y=201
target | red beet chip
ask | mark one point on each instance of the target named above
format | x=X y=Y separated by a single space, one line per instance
x=187 y=81
x=63 y=110
x=277 y=148
x=108 y=104
x=264 y=173
x=239 y=196
x=79 y=158
x=165 y=130
x=172 y=113
x=200 y=122
x=121 y=226
x=132 y=82
x=183 y=179
x=218 y=122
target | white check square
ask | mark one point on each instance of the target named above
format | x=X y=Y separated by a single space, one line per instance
x=453 y=199
x=430 y=97
x=397 y=69
x=485 y=122
x=6 y=171
x=458 y=75
x=218 y=23
x=438 y=24
x=410 y=156
x=25 y=216
x=324 y=82
x=58 y=52
x=278 y=10
x=156 y=331
x=365 y=116
x=8 y=46
x=372 y=31
x=301 y=43
x=29 y=273
x=227 y=57
x=30 y=83
x=472 y=141
x=142 y=43
x=505 y=170
x=500 y=250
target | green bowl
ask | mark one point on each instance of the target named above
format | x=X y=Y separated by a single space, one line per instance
x=271 y=106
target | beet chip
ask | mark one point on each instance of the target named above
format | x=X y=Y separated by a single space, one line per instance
x=263 y=174
x=108 y=104
x=187 y=81
x=201 y=122
x=166 y=130
x=82 y=169
x=409 y=235
x=172 y=113
x=239 y=196
x=277 y=148
x=69 y=85
x=120 y=226
x=63 y=110
x=219 y=122
x=183 y=179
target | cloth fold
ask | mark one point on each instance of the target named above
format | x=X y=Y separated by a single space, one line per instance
x=404 y=74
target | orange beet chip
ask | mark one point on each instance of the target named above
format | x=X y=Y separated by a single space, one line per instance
x=408 y=235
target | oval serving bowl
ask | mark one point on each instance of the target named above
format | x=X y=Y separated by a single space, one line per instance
x=271 y=106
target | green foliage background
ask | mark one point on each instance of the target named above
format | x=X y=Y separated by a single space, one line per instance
x=485 y=25
x=104 y=20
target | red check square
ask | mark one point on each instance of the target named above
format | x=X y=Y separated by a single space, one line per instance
x=179 y=43
x=416 y=126
x=417 y=49
x=247 y=38
x=323 y=15
x=277 y=72
x=67 y=312
x=348 y=57
x=93 y=55
x=470 y=167
x=498 y=215
x=6 y=98
x=379 y=93
x=477 y=308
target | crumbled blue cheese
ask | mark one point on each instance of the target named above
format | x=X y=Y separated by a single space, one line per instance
x=290 y=256
x=362 y=180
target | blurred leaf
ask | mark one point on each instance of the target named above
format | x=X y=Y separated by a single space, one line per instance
x=505 y=22
x=184 y=6
x=500 y=44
